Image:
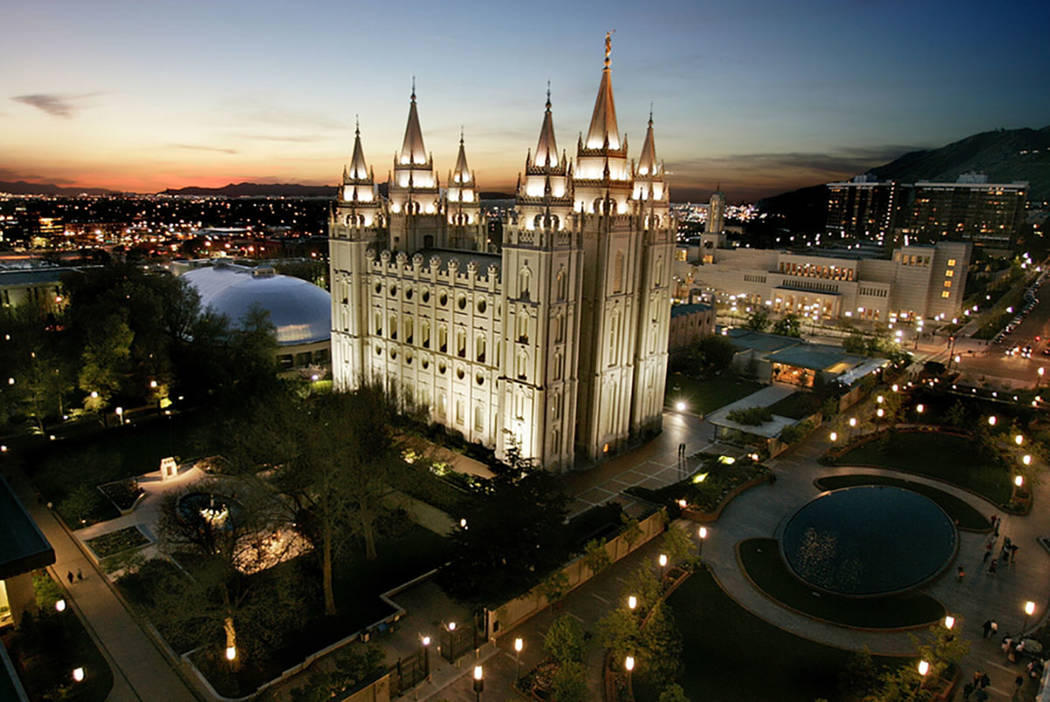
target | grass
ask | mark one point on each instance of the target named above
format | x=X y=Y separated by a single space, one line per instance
x=762 y=561
x=798 y=405
x=954 y=459
x=730 y=654
x=964 y=516
x=705 y=396
x=116 y=541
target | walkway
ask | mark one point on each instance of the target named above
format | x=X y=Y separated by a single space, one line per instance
x=141 y=673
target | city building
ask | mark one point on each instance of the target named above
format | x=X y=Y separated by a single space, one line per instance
x=971 y=209
x=554 y=342
x=689 y=324
x=913 y=282
x=40 y=285
x=23 y=549
x=863 y=208
x=300 y=311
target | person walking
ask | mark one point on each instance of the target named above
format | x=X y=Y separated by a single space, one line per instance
x=69 y=576
x=80 y=576
x=987 y=629
x=960 y=574
x=1013 y=553
x=967 y=690
x=987 y=551
x=993 y=567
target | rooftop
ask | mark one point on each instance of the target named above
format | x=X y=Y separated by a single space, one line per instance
x=483 y=260
x=23 y=546
x=757 y=341
x=769 y=395
x=683 y=310
x=818 y=357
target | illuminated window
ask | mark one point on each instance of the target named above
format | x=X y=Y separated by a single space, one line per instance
x=946 y=294
x=951 y=261
x=949 y=273
x=947 y=283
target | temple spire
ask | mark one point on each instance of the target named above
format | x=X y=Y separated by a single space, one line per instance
x=462 y=173
x=358 y=167
x=547 y=148
x=647 y=159
x=603 y=132
x=412 y=150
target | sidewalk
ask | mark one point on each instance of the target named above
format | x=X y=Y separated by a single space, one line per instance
x=140 y=672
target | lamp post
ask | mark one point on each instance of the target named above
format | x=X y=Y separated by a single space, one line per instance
x=833 y=436
x=702 y=533
x=1039 y=380
x=992 y=420
x=924 y=668
x=518 y=645
x=920 y=408
x=425 y=641
x=78 y=674
x=479 y=682
x=949 y=622
x=120 y=415
x=662 y=560
x=1018 y=439
x=852 y=426
x=60 y=605
x=632 y=602
x=628 y=664
x=1029 y=610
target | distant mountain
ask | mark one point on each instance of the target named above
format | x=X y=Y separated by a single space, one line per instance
x=21 y=187
x=1004 y=155
x=257 y=190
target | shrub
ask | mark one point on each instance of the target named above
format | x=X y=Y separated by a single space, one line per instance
x=751 y=416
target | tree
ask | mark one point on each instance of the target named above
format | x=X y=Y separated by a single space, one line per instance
x=659 y=656
x=715 y=354
x=631 y=530
x=103 y=362
x=564 y=640
x=856 y=342
x=618 y=631
x=956 y=415
x=596 y=557
x=354 y=667
x=680 y=549
x=673 y=693
x=554 y=587
x=570 y=683
x=788 y=325
x=758 y=321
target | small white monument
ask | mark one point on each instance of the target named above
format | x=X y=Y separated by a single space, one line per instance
x=168 y=468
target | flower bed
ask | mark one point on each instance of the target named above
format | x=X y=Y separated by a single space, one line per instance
x=124 y=494
x=118 y=541
x=710 y=488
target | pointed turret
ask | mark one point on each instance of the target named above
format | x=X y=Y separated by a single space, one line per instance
x=412 y=150
x=358 y=168
x=547 y=148
x=603 y=132
x=462 y=173
x=647 y=164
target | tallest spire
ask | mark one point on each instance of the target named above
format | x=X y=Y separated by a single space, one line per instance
x=412 y=150
x=547 y=147
x=603 y=129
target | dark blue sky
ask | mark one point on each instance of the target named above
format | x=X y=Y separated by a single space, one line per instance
x=759 y=96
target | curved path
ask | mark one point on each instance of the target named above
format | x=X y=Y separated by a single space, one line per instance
x=762 y=512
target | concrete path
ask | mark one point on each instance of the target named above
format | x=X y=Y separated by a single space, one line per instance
x=141 y=673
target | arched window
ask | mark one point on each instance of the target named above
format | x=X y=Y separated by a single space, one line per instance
x=393 y=326
x=443 y=338
x=424 y=333
x=522 y=366
x=379 y=324
x=461 y=343
x=523 y=326
x=479 y=348
x=614 y=332
x=523 y=282
x=562 y=285
x=408 y=330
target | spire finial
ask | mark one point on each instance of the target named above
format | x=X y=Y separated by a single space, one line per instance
x=461 y=135
x=548 y=94
x=650 y=114
x=357 y=125
x=608 y=46
x=413 y=88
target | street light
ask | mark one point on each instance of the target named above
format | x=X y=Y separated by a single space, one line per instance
x=680 y=406
x=834 y=436
x=425 y=640
x=920 y=408
x=924 y=667
x=518 y=645
x=1018 y=480
x=702 y=533
x=1018 y=439
x=1029 y=610
x=992 y=420
x=949 y=622
x=880 y=413
x=628 y=664
x=880 y=399
x=60 y=605
x=895 y=387
x=479 y=682
x=1026 y=459
x=632 y=602
x=78 y=674
x=120 y=413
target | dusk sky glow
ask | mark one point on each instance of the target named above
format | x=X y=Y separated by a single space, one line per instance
x=760 y=96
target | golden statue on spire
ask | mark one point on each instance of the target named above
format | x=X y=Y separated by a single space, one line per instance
x=608 y=45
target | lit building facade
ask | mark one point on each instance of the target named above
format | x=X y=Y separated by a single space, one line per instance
x=988 y=214
x=557 y=342
x=863 y=208
x=913 y=282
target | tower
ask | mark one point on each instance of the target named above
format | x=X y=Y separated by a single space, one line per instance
x=714 y=235
x=463 y=208
x=415 y=201
x=541 y=276
x=357 y=222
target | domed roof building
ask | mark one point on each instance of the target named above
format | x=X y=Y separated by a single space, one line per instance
x=300 y=311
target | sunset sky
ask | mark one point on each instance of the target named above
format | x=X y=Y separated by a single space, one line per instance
x=759 y=96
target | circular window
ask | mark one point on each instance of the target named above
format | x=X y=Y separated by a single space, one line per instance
x=443 y=300
x=408 y=294
x=480 y=379
x=393 y=290
x=425 y=363
x=459 y=373
x=379 y=351
x=441 y=368
x=393 y=354
x=408 y=358
x=482 y=306
x=379 y=287
x=462 y=302
x=426 y=296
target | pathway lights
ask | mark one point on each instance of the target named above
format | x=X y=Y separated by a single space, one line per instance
x=479 y=682
x=60 y=605
x=992 y=420
x=632 y=602
x=1029 y=610
x=78 y=674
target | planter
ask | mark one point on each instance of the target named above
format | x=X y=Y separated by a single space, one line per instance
x=702 y=517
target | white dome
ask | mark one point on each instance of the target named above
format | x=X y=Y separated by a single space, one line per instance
x=301 y=311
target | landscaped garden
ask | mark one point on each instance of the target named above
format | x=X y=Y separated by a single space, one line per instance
x=727 y=653
x=705 y=396
x=965 y=516
x=50 y=645
x=711 y=483
x=116 y=542
x=955 y=459
x=763 y=563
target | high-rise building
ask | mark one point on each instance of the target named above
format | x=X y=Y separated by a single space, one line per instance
x=972 y=209
x=557 y=343
x=863 y=208
x=716 y=213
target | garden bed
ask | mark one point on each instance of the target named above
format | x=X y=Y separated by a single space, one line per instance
x=116 y=542
x=124 y=494
x=964 y=516
x=765 y=567
x=712 y=486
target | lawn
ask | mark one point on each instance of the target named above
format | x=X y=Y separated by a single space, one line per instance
x=954 y=459
x=964 y=516
x=705 y=396
x=762 y=561
x=798 y=405
x=730 y=654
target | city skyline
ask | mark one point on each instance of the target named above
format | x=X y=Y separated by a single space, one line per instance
x=759 y=98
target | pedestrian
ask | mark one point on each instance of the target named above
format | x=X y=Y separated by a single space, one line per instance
x=993 y=567
x=960 y=574
x=69 y=576
x=987 y=629
x=1013 y=553
x=967 y=690
x=985 y=680
x=987 y=551
x=993 y=519
x=1018 y=684
x=995 y=627
x=997 y=523
x=80 y=576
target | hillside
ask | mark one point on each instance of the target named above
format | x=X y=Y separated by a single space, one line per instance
x=1005 y=155
x=257 y=190
x=21 y=187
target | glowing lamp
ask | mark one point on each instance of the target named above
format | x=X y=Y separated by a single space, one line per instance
x=78 y=674
x=949 y=622
x=662 y=560
x=833 y=436
x=1019 y=480
x=60 y=606
x=1029 y=608
x=1026 y=459
x=924 y=667
x=703 y=532
x=628 y=663
x=518 y=645
x=479 y=673
x=231 y=652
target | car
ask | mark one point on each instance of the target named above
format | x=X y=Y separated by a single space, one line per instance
x=1026 y=352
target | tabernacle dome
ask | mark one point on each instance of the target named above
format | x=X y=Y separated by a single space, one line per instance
x=300 y=311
